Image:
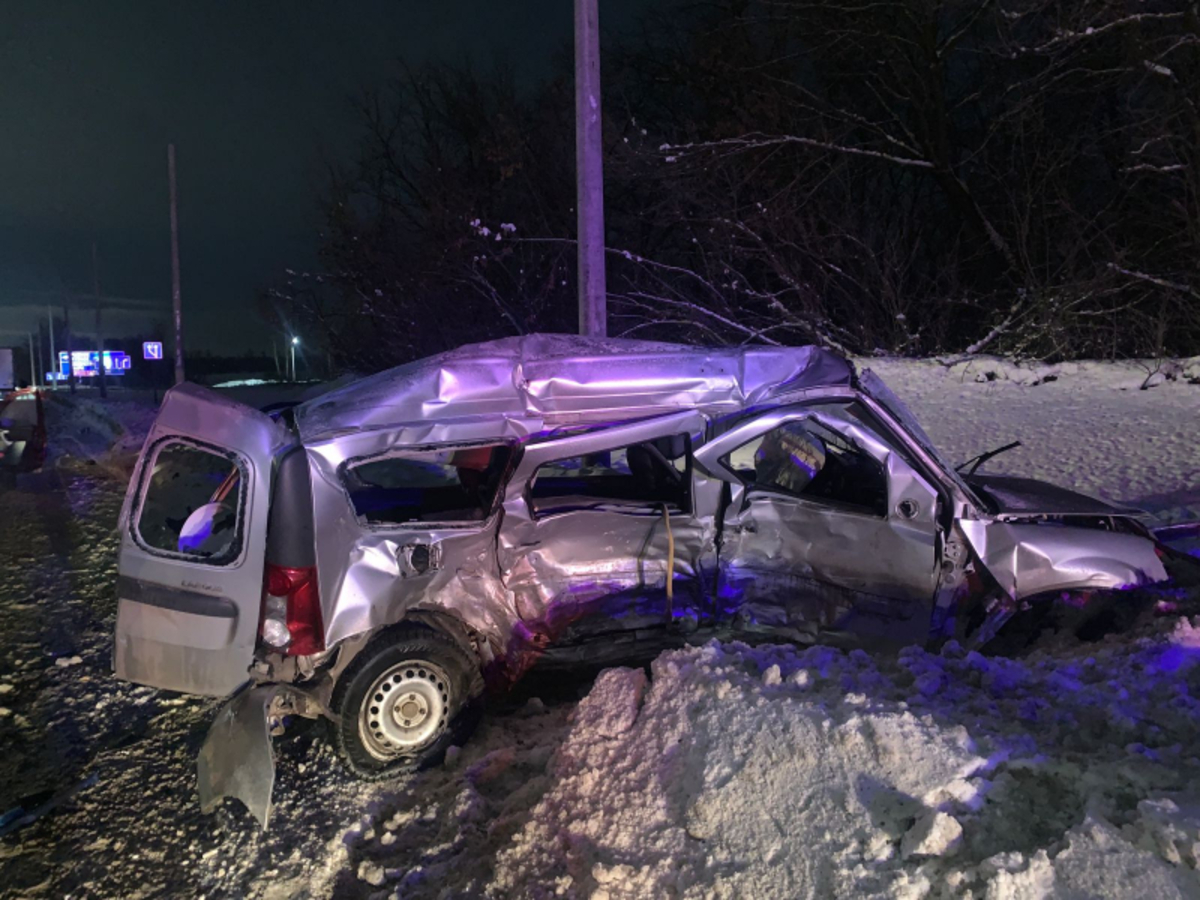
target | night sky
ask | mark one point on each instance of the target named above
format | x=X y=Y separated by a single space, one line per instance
x=254 y=95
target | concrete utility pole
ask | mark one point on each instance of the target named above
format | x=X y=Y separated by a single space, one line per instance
x=53 y=354
x=589 y=172
x=32 y=363
x=99 y=333
x=175 y=296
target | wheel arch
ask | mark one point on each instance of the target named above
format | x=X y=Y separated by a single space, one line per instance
x=436 y=621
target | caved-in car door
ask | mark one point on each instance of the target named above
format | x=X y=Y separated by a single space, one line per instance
x=829 y=532
x=193 y=541
x=593 y=522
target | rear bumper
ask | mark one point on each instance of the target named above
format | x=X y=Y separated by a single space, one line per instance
x=237 y=759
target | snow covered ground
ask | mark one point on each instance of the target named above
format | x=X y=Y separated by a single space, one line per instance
x=771 y=772
x=1086 y=425
x=726 y=771
x=87 y=428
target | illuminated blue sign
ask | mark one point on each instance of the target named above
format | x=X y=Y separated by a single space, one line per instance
x=116 y=362
x=152 y=350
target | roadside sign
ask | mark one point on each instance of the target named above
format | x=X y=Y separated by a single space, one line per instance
x=87 y=363
x=152 y=350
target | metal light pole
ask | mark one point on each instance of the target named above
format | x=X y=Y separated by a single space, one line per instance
x=40 y=360
x=589 y=172
x=295 y=341
x=100 y=379
x=176 y=300
x=53 y=354
x=67 y=340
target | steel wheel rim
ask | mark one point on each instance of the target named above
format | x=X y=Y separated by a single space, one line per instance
x=405 y=710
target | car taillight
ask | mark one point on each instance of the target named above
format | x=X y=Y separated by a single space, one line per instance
x=291 y=620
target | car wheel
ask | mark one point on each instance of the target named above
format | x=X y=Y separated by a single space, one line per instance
x=403 y=701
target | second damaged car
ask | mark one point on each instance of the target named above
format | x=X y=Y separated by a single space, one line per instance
x=387 y=554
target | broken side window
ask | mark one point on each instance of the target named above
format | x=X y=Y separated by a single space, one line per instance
x=807 y=459
x=650 y=473
x=192 y=504
x=451 y=484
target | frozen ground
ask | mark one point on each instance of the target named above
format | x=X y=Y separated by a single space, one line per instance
x=1086 y=425
x=728 y=771
x=86 y=428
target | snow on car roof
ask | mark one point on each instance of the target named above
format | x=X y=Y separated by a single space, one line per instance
x=569 y=378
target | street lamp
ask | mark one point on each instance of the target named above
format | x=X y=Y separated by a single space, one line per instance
x=295 y=343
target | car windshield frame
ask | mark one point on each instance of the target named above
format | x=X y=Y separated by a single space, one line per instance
x=875 y=388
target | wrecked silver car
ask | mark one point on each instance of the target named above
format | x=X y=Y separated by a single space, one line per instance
x=401 y=545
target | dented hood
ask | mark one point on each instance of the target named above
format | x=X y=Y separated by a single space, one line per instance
x=1011 y=497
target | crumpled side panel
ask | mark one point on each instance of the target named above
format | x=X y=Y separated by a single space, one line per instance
x=848 y=551
x=380 y=583
x=1032 y=559
x=808 y=610
x=367 y=578
x=558 y=567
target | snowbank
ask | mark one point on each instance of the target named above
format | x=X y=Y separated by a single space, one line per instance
x=87 y=427
x=779 y=772
x=1125 y=431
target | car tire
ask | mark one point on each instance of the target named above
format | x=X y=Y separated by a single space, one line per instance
x=403 y=701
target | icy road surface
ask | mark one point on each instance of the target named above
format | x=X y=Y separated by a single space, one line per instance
x=729 y=771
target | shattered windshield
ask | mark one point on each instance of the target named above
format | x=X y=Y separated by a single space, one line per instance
x=874 y=387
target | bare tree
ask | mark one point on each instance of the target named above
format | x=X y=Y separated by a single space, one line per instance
x=901 y=176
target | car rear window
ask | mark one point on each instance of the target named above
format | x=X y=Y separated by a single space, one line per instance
x=192 y=503
x=446 y=484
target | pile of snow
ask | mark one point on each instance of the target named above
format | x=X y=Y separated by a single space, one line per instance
x=1126 y=431
x=86 y=427
x=717 y=785
x=737 y=771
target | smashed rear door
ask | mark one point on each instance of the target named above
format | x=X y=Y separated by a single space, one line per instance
x=193 y=538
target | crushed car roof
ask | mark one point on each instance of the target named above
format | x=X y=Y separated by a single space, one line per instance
x=566 y=378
